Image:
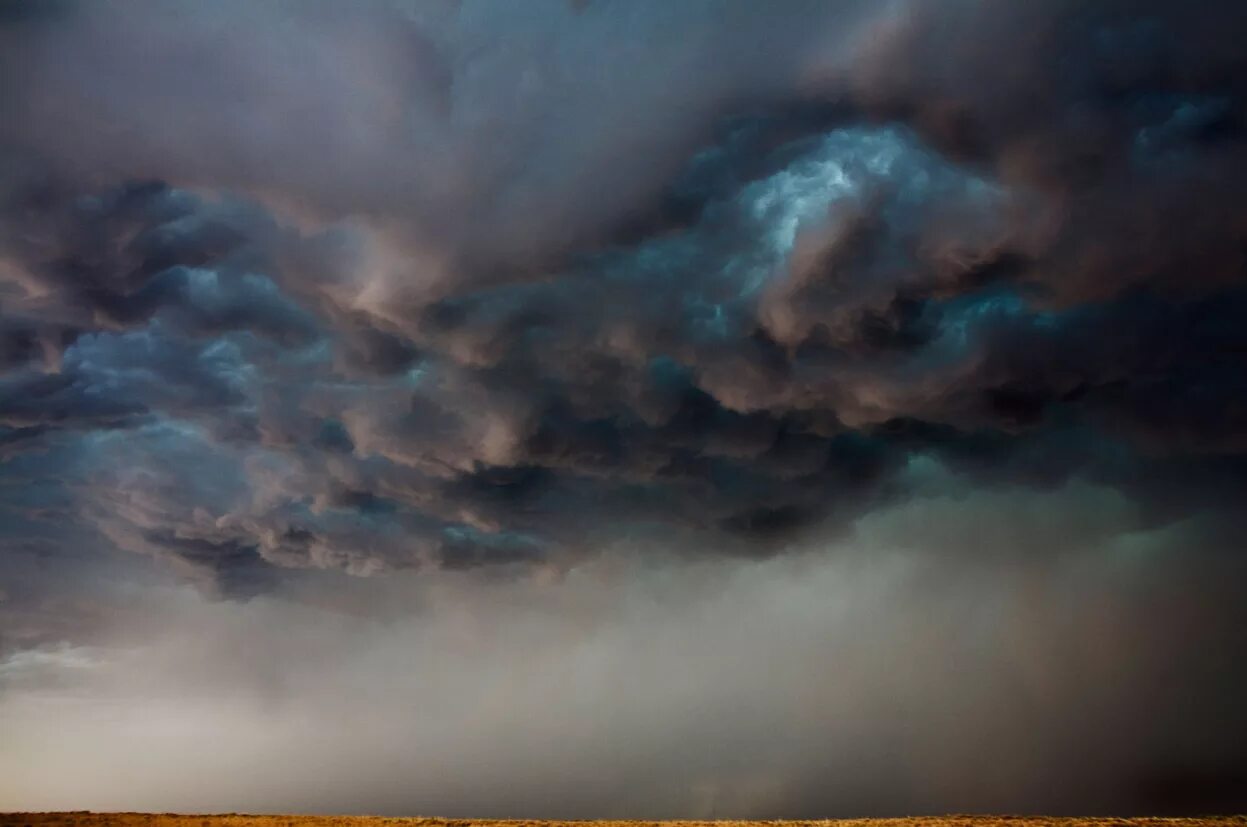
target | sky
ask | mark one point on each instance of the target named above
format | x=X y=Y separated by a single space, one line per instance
x=633 y=409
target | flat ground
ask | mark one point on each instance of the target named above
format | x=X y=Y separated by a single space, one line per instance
x=88 y=819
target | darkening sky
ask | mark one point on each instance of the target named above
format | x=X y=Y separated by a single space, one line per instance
x=651 y=409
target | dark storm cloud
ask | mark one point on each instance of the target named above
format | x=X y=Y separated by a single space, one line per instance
x=735 y=300
x=294 y=289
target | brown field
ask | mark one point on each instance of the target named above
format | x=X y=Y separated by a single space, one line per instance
x=89 y=819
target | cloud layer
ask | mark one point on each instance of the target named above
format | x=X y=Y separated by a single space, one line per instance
x=299 y=300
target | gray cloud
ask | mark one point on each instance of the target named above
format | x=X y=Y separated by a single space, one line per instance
x=411 y=300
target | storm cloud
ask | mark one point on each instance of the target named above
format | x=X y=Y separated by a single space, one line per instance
x=853 y=390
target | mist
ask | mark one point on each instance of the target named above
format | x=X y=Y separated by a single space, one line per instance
x=927 y=663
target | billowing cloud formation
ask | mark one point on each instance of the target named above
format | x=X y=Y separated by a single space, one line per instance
x=299 y=294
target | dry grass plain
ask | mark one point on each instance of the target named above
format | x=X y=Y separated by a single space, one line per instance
x=89 y=819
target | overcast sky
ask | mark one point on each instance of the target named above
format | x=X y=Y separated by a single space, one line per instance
x=623 y=409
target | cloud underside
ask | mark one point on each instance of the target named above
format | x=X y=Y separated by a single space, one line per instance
x=403 y=290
